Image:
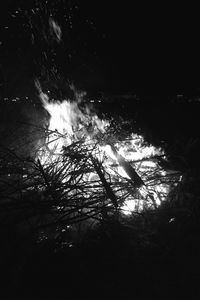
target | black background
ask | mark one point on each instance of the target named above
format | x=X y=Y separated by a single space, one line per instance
x=113 y=46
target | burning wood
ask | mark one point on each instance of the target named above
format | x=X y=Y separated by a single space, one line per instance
x=109 y=192
x=135 y=178
x=84 y=138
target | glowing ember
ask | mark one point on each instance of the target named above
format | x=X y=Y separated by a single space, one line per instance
x=129 y=170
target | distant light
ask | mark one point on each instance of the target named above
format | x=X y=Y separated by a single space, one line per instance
x=171 y=220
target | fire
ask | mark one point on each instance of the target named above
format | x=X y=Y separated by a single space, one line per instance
x=128 y=170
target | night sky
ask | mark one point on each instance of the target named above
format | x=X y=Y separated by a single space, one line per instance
x=105 y=46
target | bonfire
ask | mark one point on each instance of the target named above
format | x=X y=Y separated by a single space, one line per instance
x=83 y=172
x=105 y=171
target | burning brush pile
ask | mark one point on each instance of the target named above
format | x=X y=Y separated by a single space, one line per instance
x=85 y=170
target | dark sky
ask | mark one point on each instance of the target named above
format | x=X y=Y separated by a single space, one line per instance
x=108 y=47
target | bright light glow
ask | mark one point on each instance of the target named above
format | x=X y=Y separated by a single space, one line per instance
x=129 y=207
x=69 y=124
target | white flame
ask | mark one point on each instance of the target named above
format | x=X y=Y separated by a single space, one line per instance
x=68 y=123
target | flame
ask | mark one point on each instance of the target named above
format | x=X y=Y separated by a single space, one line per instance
x=69 y=124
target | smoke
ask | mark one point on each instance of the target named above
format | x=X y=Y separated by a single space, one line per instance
x=55 y=30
